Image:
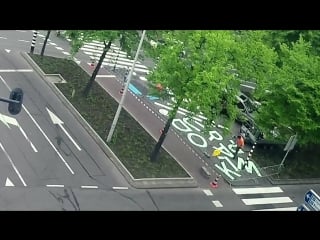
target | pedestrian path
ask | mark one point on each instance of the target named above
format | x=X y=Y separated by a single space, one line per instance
x=265 y=199
x=115 y=58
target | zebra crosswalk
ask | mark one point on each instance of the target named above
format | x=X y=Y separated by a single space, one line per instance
x=115 y=58
x=265 y=199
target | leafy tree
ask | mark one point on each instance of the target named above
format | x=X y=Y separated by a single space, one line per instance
x=276 y=37
x=292 y=100
x=128 y=40
x=197 y=69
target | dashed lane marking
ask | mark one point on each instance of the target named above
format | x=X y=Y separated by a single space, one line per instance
x=207 y=192
x=89 y=186
x=217 y=203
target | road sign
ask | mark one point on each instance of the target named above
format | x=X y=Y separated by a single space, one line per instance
x=313 y=200
x=303 y=207
x=291 y=143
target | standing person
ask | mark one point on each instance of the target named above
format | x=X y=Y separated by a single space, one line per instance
x=240 y=145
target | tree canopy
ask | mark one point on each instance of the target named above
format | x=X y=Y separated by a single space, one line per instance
x=292 y=96
x=203 y=69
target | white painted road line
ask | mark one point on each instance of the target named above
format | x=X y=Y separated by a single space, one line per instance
x=23 y=41
x=3 y=38
x=37 y=125
x=89 y=186
x=14 y=166
x=105 y=76
x=272 y=200
x=10 y=120
x=16 y=70
x=257 y=190
x=54 y=185
x=66 y=53
x=217 y=203
x=60 y=48
x=207 y=192
x=120 y=188
x=279 y=209
x=21 y=30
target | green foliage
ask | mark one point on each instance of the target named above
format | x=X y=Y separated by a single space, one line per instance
x=198 y=67
x=293 y=97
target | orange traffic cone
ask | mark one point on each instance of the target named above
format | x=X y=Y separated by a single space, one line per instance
x=214 y=184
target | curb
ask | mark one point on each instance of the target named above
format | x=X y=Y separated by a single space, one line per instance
x=137 y=183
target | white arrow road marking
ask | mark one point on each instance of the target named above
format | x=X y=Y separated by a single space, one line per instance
x=6 y=119
x=37 y=125
x=8 y=50
x=9 y=183
x=58 y=121
x=14 y=167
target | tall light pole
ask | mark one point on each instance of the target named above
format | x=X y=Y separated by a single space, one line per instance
x=116 y=117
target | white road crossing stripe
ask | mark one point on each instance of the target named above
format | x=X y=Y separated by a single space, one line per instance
x=105 y=76
x=126 y=67
x=60 y=48
x=23 y=41
x=54 y=185
x=120 y=61
x=181 y=112
x=89 y=186
x=257 y=190
x=272 y=200
x=16 y=70
x=3 y=38
x=217 y=203
x=279 y=209
x=66 y=53
x=207 y=192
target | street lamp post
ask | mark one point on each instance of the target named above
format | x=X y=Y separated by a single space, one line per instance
x=116 y=117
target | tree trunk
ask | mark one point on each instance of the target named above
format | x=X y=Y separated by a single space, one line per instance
x=45 y=43
x=155 y=153
x=96 y=70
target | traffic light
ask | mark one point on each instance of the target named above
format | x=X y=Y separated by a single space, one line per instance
x=17 y=95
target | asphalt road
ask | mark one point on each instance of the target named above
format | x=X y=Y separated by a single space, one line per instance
x=44 y=152
x=34 y=163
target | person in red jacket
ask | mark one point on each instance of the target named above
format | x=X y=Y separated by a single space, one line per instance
x=240 y=145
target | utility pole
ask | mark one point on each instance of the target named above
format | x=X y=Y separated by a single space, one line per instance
x=33 y=43
x=115 y=120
